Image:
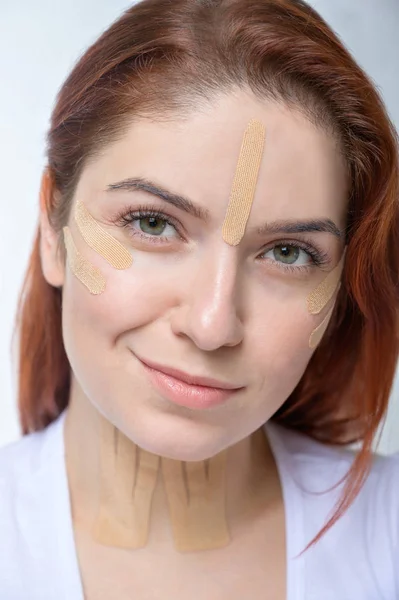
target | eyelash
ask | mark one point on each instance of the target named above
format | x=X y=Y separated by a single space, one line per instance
x=126 y=217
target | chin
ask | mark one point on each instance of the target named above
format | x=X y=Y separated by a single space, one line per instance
x=184 y=450
x=182 y=454
x=175 y=438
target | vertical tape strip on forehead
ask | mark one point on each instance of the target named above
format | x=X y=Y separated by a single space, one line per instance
x=244 y=183
x=87 y=274
x=100 y=240
x=322 y=295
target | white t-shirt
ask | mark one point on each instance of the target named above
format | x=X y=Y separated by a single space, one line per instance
x=358 y=559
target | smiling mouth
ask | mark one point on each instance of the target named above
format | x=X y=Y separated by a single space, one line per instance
x=193 y=392
x=195 y=380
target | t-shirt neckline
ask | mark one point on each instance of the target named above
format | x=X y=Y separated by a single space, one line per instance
x=70 y=579
x=294 y=513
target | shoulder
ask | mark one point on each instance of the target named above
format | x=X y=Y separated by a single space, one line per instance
x=24 y=461
x=28 y=483
x=22 y=458
x=365 y=539
x=318 y=467
x=29 y=459
x=312 y=458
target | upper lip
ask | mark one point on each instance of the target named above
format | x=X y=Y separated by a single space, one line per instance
x=190 y=379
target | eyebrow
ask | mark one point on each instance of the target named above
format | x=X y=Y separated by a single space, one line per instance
x=310 y=226
x=139 y=183
x=188 y=206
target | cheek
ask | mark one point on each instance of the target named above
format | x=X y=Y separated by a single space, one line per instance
x=97 y=328
x=132 y=298
x=281 y=343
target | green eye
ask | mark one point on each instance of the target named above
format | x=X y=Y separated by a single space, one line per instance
x=152 y=225
x=286 y=254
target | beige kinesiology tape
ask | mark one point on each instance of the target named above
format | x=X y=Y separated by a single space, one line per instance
x=244 y=183
x=127 y=482
x=317 y=334
x=100 y=240
x=320 y=297
x=196 y=495
x=195 y=491
x=87 y=274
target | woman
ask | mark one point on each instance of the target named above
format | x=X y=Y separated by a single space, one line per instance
x=209 y=319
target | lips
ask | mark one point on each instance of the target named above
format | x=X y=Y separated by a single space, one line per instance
x=190 y=379
x=191 y=391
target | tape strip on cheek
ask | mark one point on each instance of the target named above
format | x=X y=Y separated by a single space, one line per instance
x=100 y=240
x=317 y=334
x=127 y=482
x=87 y=274
x=244 y=183
x=197 y=508
x=322 y=295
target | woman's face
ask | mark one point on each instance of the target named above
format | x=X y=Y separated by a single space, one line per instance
x=190 y=301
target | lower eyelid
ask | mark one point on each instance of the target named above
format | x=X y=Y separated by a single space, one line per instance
x=146 y=236
x=303 y=271
x=275 y=264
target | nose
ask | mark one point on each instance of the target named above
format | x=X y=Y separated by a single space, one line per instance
x=209 y=313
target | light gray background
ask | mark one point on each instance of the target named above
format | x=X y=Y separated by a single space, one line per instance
x=39 y=42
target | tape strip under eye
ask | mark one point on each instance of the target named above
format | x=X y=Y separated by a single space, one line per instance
x=100 y=240
x=322 y=295
x=317 y=334
x=87 y=274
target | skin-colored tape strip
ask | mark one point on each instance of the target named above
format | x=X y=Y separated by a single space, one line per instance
x=128 y=479
x=321 y=296
x=100 y=240
x=317 y=334
x=198 y=509
x=244 y=183
x=127 y=483
x=87 y=274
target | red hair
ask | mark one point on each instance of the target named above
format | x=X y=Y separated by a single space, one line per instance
x=163 y=59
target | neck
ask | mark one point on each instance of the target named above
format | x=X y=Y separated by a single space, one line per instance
x=246 y=474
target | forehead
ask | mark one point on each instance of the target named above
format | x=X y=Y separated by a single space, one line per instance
x=302 y=172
